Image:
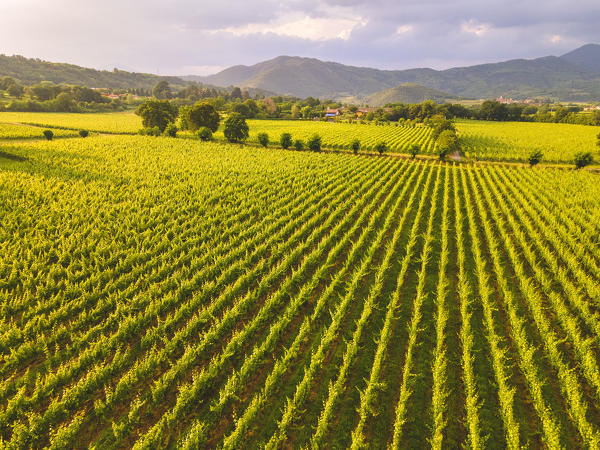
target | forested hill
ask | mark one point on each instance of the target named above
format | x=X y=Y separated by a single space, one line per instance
x=30 y=71
x=574 y=76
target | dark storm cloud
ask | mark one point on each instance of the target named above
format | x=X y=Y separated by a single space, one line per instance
x=185 y=36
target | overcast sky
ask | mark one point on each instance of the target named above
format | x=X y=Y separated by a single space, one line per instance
x=201 y=37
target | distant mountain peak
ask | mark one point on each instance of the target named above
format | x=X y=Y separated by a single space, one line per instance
x=586 y=56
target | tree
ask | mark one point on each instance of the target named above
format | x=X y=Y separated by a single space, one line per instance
x=414 y=150
x=595 y=119
x=203 y=114
x=355 y=146
x=48 y=134
x=299 y=144
x=65 y=103
x=314 y=143
x=598 y=141
x=561 y=114
x=204 y=133
x=85 y=94
x=171 y=130
x=242 y=109
x=42 y=92
x=236 y=93
x=381 y=147
x=15 y=90
x=535 y=157
x=285 y=140
x=236 y=128
x=157 y=113
x=84 y=133
x=5 y=82
x=447 y=143
x=161 y=90
x=583 y=159
x=493 y=110
x=263 y=139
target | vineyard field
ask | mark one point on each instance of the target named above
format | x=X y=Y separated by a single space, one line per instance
x=480 y=140
x=115 y=123
x=514 y=141
x=169 y=293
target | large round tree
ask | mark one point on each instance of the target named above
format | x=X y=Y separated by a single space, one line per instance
x=157 y=113
x=236 y=128
x=203 y=115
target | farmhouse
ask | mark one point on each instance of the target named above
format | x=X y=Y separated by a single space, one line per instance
x=332 y=113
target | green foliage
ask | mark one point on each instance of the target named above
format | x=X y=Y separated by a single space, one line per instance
x=263 y=139
x=583 y=159
x=157 y=113
x=285 y=140
x=236 y=128
x=203 y=114
x=414 y=150
x=299 y=144
x=314 y=143
x=162 y=90
x=171 y=130
x=48 y=134
x=447 y=143
x=150 y=131
x=381 y=147
x=204 y=133
x=355 y=146
x=84 y=133
x=440 y=125
x=535 y=157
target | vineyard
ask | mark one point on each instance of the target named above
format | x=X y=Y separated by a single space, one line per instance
x=480 y=140
x=514 y=141
x=171 y=293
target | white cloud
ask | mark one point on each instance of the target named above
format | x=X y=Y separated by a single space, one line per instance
x=403 y=29
x=474 y=27
x=310 y=28
x=556 y=38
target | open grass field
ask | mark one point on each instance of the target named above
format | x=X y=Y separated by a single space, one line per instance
x=481 y=140
x=159 y=292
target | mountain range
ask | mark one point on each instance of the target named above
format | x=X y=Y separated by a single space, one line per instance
x=574 y=76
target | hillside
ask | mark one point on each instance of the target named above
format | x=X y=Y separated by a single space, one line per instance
x=30 y=71
x=407 y=93
x=570 y=77
x=587 y=56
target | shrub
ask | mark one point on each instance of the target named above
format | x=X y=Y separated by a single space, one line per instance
x=355 y=146
x=171 y=130
x=236 y=128
x=204 y=133
x=381 y=147
x=48 y=134
x=263 y=139
x=154 y=131
x=285 y=140
x=414 y=150
x=299 y=144
x=583 y=159
x=84 y=133
x=535 y=157
x=314 y=143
